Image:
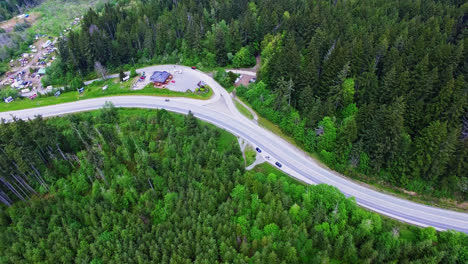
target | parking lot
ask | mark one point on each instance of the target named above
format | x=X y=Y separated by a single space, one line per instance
x=183 y=78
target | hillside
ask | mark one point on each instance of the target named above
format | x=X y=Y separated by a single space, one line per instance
x=11 y=8
x=377 y=90
x=129 y=186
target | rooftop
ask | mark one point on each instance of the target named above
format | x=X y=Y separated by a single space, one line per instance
x=160 y=76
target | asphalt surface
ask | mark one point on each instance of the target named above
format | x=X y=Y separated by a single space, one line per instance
x=294 y=161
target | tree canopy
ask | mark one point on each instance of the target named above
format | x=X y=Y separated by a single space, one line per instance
x=149 y=186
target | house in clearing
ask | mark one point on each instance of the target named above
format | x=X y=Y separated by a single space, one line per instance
x=160 y=78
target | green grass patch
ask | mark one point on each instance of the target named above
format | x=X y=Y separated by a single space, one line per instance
x=225 y=140
x=94 y=90
x=57 y=15
x=230 y=88
x=243 y=110
x=250 y=155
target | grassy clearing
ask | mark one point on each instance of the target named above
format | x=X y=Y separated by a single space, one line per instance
x=58 y=14
x=94 y=90
x=250 y=155
x=243 y=110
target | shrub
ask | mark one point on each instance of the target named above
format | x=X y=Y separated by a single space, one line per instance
x=133 y=73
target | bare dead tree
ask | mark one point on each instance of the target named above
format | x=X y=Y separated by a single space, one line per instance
x=150 y=184
x=100 y=70
x=93 y=28
x=464 y=133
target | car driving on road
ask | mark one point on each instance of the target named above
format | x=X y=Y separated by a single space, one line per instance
x=258 y=150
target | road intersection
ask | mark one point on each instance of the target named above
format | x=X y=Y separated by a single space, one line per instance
x=221 y=111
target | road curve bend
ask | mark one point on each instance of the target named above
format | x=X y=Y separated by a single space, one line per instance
x=294 y=162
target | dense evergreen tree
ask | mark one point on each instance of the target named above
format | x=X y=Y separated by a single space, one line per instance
x=403 y=71
x=402 y=65
x=133 y=186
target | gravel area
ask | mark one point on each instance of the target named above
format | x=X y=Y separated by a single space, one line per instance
x=184 y=78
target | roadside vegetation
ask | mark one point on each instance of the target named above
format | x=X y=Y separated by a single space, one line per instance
x=94 y=90
x=376 y=90
x=250 y=155
x=119 y=185
x=243 y=110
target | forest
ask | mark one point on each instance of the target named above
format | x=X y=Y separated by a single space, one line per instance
x=148 y=186
x=377 y=89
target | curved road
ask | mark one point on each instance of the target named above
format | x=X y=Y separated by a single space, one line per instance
x=220 y=111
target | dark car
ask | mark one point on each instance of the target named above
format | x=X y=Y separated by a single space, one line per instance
x=194 y=68
x=258 y=150
x=166 y=100
x=278 y=164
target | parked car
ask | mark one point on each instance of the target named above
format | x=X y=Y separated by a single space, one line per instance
x=166 y=100
x=278 y=164
x=142 y=77
x=253 y=80
x=258 y=150
x=8 y=99
x=194 y=68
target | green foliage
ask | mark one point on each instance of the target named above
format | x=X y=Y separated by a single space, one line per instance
x=106 y=187
x=243 y=110
x=76 y=83
x=348 y=91
x=250 y=155
x=5 y=93
x=384 y=91
x=21 y=27
x=133 y=72
x=327 y=140
x=243 y=58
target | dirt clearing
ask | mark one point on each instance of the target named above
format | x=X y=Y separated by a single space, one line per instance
x=9 y=25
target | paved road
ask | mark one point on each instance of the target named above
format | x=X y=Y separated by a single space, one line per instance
x=294 y=161
x=244 y=72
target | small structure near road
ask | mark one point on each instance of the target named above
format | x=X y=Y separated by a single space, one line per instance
x=201 y=84
x=8 y=99
x=42 y=71
x=160 y=78
x=46 y=44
